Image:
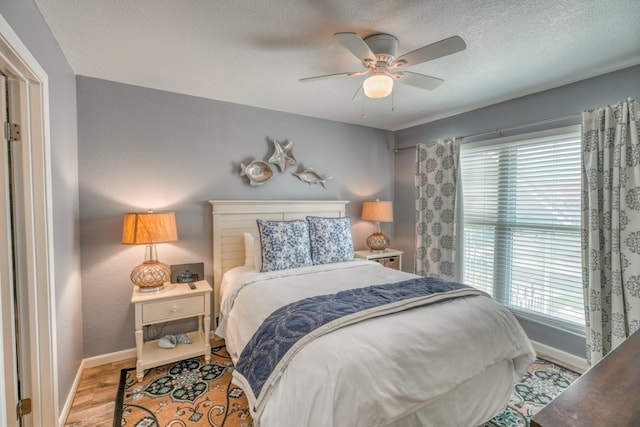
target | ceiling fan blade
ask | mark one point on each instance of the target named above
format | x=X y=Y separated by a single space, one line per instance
x=418 y=80
x=354 y=43
x=427 y=53
x=327 y=76
x=357 y=94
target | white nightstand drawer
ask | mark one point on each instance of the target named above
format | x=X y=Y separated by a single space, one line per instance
x=172 y=309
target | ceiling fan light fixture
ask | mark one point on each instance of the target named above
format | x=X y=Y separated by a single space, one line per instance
x=378 y=86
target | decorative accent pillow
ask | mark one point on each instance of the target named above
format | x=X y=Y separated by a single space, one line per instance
x=252 y=251
x=285 y=244
x=330 y=239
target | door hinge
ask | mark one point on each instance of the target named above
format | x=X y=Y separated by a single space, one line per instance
x=12 y=131
x=24 y=407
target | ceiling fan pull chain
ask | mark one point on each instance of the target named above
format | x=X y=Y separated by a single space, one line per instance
x=363 y=115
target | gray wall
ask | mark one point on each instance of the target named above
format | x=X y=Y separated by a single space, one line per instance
x=25 y=19
x=565 y=100
x=145 y=149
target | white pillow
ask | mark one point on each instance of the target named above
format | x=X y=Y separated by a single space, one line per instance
x=252 y=251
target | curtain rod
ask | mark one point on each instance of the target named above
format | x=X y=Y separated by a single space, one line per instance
x=500 y=131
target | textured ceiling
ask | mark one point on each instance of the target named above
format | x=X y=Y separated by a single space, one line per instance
x=253 y=52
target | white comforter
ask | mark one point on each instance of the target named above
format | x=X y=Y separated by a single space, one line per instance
x=387 y=371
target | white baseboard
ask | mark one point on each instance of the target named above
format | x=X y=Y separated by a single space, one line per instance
x=569 y=360
x=91 y=362
x=72 y=393
x=103 y=359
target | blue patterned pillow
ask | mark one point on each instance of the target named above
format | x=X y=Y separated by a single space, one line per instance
x=285 y=244
x=330 y=239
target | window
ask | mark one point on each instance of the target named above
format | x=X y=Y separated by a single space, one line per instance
x=521 y=200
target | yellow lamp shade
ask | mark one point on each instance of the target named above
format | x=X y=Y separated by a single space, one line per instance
x=149 y=227
x=377 y=210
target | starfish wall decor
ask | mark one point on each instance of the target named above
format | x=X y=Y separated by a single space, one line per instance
x=282 y=155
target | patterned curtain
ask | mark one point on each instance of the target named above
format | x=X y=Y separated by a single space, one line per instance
x=611 y=225
x=436 y=184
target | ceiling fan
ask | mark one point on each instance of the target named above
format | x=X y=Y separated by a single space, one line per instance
x=378 y=55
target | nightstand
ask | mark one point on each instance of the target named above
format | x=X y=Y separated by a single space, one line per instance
x=175 y=301
x=390 y=258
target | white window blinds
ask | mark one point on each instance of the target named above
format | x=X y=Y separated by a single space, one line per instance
x=522 y=223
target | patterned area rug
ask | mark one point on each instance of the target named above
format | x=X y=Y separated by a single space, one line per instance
x=542 y=382
x=181 y=394
x=192 y=393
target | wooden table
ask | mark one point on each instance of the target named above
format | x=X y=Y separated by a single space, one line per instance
x=608 y=394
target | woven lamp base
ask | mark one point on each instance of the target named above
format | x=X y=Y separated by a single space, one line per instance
x=150 y=276
x=378 y=242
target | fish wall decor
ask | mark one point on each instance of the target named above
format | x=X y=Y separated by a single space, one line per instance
x=257 y=171
x=312 y=177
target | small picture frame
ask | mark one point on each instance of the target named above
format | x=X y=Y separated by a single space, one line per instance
x=185 y=273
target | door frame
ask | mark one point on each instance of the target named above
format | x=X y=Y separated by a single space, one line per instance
x=35 y=214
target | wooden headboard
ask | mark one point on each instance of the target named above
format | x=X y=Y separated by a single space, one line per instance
x=232 y=218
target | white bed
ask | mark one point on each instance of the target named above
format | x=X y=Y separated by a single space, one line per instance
x=447 y=364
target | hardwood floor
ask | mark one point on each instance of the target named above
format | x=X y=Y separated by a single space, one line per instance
x=95 y=399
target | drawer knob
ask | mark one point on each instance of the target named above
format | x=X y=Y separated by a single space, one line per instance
x=174 y=309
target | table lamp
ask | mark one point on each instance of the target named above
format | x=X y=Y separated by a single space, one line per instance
x=148 y=229
x=378 y=211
